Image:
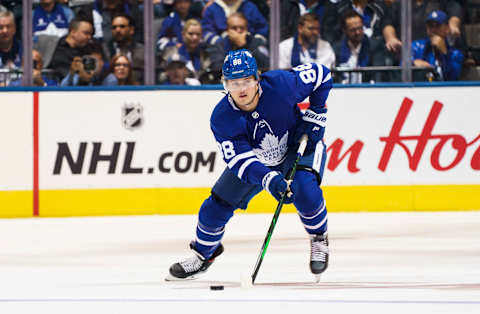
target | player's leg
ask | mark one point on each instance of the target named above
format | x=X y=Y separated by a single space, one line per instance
x=228 y=194
x=312 y=210
x=311 y=206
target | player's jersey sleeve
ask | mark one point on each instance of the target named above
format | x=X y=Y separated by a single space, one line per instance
x=232 y=141
x=309 y=80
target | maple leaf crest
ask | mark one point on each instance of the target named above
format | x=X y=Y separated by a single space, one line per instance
x=271 y=151
x=269 y=141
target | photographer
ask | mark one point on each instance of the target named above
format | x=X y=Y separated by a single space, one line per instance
x=77 y=43
x=87 y=70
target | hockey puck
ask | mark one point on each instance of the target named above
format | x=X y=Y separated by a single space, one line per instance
x=217 y=287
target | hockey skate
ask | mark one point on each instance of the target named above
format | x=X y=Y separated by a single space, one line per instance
x=189 y=268
x=318 y=254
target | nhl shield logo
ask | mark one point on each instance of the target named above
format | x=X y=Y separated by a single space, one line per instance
x=132 y=116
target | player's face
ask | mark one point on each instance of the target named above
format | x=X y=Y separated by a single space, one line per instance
x=244 y=92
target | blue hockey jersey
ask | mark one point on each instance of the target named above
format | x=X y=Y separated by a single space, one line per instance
x=52 y=23
x=251 y=142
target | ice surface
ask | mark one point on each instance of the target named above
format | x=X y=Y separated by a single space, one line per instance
x=379 y=263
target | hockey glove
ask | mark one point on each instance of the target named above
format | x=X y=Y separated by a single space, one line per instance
x=276 y=185
x=313 y=124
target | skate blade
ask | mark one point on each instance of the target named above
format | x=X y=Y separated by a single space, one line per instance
x=171 y=278
x=317 y=278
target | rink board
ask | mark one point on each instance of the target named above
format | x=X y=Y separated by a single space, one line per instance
x=152 y=152
x=188 y=200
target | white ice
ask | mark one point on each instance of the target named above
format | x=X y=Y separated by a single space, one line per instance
x=380 y=263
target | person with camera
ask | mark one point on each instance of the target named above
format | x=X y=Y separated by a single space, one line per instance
x=77 y=43
x=87 y=70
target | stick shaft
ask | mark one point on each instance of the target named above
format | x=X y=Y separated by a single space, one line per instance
x=290 y=176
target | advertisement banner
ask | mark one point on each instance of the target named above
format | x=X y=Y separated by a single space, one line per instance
x=142 y=152
x=387 y=136
x=111 y=140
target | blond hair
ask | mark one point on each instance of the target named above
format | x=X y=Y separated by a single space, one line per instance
x=191 y=22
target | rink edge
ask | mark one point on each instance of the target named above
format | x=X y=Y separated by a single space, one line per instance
x=167 y=201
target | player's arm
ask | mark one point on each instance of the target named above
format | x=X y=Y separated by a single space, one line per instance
x=238 y=154
x=313 y=81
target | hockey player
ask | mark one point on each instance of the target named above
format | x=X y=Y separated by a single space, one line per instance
x=257 y=126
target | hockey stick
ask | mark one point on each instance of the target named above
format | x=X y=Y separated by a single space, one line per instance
x=289 y=178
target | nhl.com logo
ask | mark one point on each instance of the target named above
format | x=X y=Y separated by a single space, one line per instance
x=132 y=116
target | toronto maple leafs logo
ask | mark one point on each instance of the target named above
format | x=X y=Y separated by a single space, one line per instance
x=272 y=151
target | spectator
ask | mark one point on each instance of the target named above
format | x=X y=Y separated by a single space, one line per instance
x=123 y=42
x=214 y=21
x=291 y=10
x=171 y=30
x=203 y=61
x=38 y=78
x=289 y=15
x=159 y=10
x=102 y=63
x=263 y=6
x=357 y=50
x=237 y=37
x=420 y=9
x=162 y=8
x=14 y=6
x=306 y=46
x=372 y=12
x=101 y=13
x=120 y=72
x=177 y=74
x=76 y=44
x=88 y=70
x=434 y=51
x=10 y=48
x=51 y=18
x=313 y=6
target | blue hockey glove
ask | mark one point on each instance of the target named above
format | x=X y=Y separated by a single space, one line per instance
x=276 y=185
x=313 y=124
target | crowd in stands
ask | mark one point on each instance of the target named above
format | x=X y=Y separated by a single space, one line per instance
x=100 y=42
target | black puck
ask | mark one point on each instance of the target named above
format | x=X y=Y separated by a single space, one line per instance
x=217 y=287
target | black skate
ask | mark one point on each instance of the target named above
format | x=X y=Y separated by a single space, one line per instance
x=197 y=264
x=318 y=254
